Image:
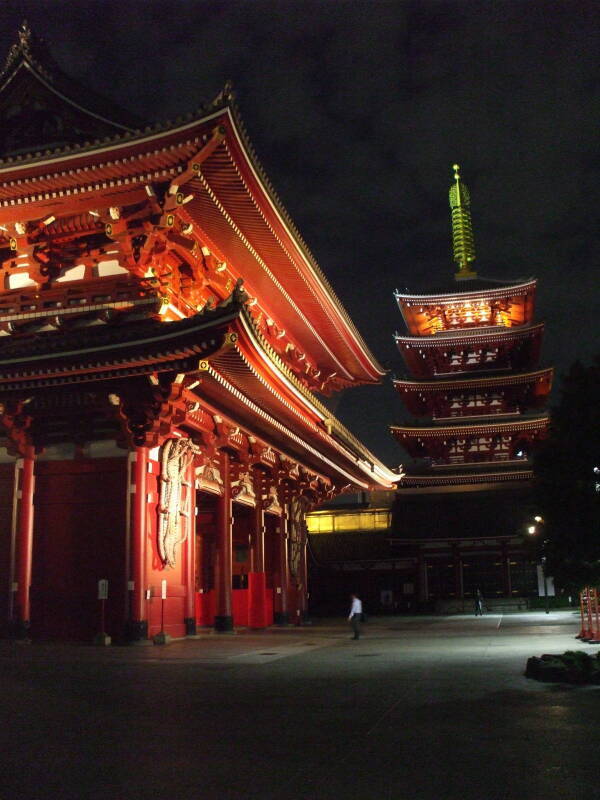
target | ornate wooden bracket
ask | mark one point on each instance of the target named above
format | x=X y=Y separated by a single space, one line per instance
x=17 y=424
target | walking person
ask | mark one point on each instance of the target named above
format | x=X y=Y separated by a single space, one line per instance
x=355 y=616
x=478 y=603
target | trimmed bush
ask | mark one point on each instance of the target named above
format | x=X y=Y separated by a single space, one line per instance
x=574 y=666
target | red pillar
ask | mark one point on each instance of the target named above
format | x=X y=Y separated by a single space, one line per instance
x=223 y=565
x=138 y=624
x=257 y=579
x=25 y=545
x=280 y=599
x=190 y=555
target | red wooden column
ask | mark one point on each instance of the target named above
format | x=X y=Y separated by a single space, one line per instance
x=190 y=555
x=25 y=545
x=223 y=565
x=257 y=578
x=138 y=624
x=282 y=578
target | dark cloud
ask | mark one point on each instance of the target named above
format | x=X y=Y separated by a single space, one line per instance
x=357 y=110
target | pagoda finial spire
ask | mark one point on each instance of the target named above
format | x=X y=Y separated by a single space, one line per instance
x=462 y=229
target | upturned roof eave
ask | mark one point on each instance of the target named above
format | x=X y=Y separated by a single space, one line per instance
x=449 y=338
x=367 y=369
x=302 y=248
x=108 y=350
x=531 y=423
x=471 y=382
x=441 y=297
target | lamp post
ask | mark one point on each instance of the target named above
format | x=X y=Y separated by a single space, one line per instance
x=532 y=530
x=545 y=579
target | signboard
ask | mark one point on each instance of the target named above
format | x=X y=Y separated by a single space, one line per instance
x=103 y=589
x=163 y=590
x=545 y=583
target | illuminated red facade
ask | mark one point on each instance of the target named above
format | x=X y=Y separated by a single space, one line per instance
x=165 y=335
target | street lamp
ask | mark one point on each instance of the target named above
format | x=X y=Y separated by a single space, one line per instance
x=532 y=530
x=543 y=562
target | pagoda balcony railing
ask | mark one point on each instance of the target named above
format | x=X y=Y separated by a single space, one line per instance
x=476 y=459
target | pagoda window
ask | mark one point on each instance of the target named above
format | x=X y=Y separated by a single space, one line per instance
x=496 y=402
x=500 y=449
x=480 y=445
x=456 y=451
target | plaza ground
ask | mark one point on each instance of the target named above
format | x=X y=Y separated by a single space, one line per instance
x=420 y=707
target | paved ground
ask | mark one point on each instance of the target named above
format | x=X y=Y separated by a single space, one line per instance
x=430 y=708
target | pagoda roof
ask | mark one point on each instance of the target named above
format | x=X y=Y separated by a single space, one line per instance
x=471 y=336
x=238 y=373
x=476 y=288
x=464 y=383
x=520 y=425
x=465 y=479
x=427 y=314
x=231 y=202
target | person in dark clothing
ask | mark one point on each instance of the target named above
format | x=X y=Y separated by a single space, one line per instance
x=478 y=603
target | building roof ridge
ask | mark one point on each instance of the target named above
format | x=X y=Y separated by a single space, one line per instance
x=30 y=53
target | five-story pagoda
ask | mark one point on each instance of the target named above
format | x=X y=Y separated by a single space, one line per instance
x=472 y=351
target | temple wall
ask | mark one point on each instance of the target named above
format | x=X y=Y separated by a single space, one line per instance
x=79 y=538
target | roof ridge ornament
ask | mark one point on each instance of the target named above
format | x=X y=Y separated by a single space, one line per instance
x=462 y=230
x=24 y=49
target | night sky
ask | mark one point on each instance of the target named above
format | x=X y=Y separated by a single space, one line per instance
x=357 y=111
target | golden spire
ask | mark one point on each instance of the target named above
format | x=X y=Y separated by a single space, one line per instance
x=462 y=230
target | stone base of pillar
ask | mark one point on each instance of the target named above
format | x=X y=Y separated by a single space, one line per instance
x=224 y=624
x=190 y=626
x=281 y=618
x=137 y=631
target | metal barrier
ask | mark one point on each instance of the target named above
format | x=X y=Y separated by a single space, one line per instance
x=589 y=602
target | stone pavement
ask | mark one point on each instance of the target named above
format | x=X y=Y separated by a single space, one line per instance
x=431 y=708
